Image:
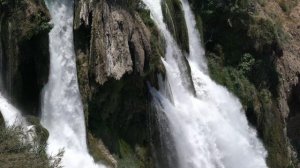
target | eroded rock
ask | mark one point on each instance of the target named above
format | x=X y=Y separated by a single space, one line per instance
x=119 y=40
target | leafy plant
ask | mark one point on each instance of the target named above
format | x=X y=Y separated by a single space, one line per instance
x=16 y=151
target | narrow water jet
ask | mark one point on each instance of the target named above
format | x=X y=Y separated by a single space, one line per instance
x=62 y=111
x=210 y=130
x=12 y=116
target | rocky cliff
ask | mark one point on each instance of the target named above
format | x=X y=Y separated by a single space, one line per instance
x=118 y=50
x=24 y=51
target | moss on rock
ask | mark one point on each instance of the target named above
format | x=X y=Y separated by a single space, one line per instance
x=174 y=18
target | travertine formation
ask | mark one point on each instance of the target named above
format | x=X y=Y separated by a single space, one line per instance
x=119 y=42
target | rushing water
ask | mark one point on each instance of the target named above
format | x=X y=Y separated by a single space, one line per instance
x=210 y=130
x=11 y=115
x=62 y=111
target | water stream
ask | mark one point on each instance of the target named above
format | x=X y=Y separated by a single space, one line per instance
x=210 y=130
x=62 y=111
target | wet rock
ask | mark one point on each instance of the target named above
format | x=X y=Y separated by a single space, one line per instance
x=25 y=53
x=2 y=122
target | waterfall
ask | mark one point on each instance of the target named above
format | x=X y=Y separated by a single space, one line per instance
x=210 y=130
x=62 y=110
x=11 y=115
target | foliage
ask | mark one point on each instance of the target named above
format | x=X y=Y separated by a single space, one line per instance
x=129 y=158
x=233 y=79
x=17 y=152
x=287 y=5
x=246 y=64
x=265 y=32
x=99 y=152
x=26 y=23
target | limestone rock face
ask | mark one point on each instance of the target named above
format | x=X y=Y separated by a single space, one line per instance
x=289 y=68
x=119 y=41
x=116 y=56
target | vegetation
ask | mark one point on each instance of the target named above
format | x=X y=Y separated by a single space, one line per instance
x=16 y=151
x=32 y=23
x=157 y=44
x=287 y=5
x=132 y=158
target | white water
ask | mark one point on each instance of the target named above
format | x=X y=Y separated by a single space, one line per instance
x=210 y=130
x=62 y=111
x=11 y=115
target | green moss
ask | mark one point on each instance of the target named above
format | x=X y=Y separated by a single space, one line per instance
x=154 y=65
x=264 y=32
x=199 y=24
x=39 y=23
x=246 y=64
x=287 y=5
x=24 y=23
x=258 y=104
x=99 y=152
x=174 y=18
x=132 y=158
x=233 y=79
x=118 y=110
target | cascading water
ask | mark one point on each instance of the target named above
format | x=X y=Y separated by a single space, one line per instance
x=209 y=130
x=62 y=111
x=11 y=115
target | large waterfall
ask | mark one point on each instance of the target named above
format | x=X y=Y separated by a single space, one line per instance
x=210 y=130
x=62 y=111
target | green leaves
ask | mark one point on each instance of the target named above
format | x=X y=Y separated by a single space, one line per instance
x=17 y=152
x=246 y=64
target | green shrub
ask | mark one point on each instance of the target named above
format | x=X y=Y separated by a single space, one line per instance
x=127 y=157
x=17 y=152
x=264 y=32
x=246 y=64
x=287 y=5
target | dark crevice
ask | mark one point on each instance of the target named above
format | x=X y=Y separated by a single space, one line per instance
x=133 y=56
x=33 y=72
x=162 y=143
x=293 y=124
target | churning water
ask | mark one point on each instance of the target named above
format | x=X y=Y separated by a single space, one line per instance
x=210 y=130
